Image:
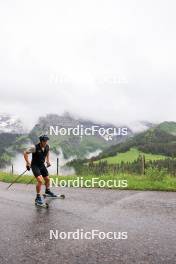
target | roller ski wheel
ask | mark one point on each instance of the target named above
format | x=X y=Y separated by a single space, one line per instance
x=43 y=205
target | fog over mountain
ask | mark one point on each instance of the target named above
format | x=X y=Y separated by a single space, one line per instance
x=15 y=124
x=108 y=60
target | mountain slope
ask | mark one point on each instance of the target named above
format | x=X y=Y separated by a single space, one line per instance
x=10 y=144
x=73 y=145
x=168 y=127
x=130 y=156
x=10 y=124
x=154 y=140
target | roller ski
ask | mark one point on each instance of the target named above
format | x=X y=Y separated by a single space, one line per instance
x=50 y=195
x=39 y=202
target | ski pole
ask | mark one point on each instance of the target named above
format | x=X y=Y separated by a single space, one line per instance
x=16 y=179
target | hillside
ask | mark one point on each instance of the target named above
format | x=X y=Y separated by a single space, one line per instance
x=130 y=156
x=74 y=145
x=168 y=127
x=10 y=144
x=13 y=140
x=159 y=140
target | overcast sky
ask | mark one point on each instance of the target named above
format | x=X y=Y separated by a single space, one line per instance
x=110 y=60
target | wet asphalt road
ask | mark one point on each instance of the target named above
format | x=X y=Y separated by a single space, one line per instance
x=148 y=217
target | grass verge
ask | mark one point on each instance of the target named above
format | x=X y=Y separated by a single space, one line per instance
x=134 y=182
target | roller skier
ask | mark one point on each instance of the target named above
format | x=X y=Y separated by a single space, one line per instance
x=40 y=156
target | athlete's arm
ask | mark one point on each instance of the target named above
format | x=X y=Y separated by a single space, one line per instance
x=26 y=157
x=48 y=159
x=26 y=154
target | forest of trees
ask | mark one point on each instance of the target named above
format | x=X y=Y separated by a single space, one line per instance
x=153 y=141
x=138 y=166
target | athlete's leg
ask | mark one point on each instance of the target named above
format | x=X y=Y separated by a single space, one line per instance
x=45 y=175
x=47 y=182
x=37 y=173
x=39 y=184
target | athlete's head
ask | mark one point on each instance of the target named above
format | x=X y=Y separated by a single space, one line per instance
x=43 y=140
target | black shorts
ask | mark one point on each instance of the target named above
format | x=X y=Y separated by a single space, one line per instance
x=39 y=170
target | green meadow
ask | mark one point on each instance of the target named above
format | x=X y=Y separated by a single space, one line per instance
x=130 y=156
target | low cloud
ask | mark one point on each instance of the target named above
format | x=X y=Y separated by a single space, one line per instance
x=118 y=66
